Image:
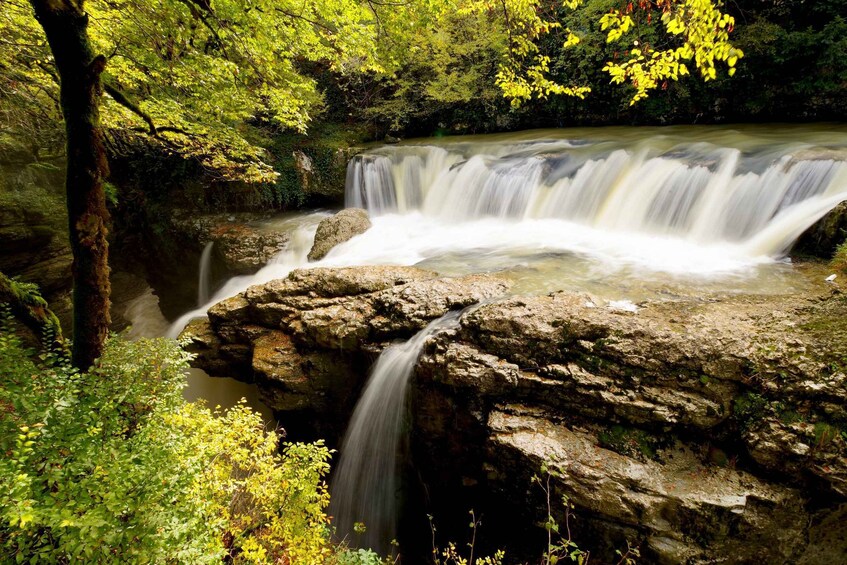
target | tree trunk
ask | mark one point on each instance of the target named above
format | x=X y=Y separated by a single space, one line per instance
x=66 y=26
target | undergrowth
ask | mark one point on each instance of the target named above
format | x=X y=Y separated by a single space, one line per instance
x=839 y=260
x=113 y=466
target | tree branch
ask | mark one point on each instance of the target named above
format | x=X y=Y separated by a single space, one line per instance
x=122 y=99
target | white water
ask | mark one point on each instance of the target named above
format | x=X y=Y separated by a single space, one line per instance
x=204 y=282
x=578 y=209
x=366 y=483
x=695 y=192
x=302 y=233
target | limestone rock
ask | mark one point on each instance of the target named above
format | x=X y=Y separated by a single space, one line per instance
x=239 y=246
x=825 y=235
x=337 y=229
x=696 y=429
x=686 y=511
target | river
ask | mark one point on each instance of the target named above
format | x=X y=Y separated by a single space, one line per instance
x=625 y=213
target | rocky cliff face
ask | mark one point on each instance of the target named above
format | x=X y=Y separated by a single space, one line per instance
x=702 y=430
x=823 y=238
x=33 y=231
x=167 y=253
x=309 y=339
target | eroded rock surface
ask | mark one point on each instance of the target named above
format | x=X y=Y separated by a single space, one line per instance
x=703 y=431
x=700 y=429
x=309 y=339
x=824 y=237
x=239 y=246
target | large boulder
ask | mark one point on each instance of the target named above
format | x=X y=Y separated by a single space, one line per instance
x=240 y=247
x=308 y=339
x=337 y=229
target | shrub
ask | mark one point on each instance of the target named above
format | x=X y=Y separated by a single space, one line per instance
x=113 y=466
x=839 y=260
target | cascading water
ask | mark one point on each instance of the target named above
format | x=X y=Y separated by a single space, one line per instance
x=204 y=282
x=608 y=211
x=582 y=209
x=366 y=480
x=697 y=192
x=302 y=233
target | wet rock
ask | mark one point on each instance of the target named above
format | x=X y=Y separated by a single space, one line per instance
x=757 y=376
x=337 y=229
x=303 y=166
x=686 y=512
x=302 y=336
x=321 y=170
x=335 y=283
x=239 y=246
x=34 y=232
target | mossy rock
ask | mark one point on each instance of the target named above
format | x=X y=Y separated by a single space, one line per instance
x=825 y=237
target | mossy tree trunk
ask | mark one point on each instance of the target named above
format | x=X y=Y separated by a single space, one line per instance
x=65 y=24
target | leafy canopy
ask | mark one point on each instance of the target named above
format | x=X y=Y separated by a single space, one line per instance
x=193 y=73
x=693 y=30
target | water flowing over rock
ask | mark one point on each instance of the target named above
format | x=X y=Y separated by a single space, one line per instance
x=750 y=193
x=240 y=247
x=309 y=339
x=365 y=488
x=704 y=423
x=337 y=229
x=825 y=236
x=702 y=430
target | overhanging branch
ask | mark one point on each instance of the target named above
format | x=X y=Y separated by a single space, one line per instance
x=122 y=99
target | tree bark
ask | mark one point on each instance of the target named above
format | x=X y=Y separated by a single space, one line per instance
x=65 y=24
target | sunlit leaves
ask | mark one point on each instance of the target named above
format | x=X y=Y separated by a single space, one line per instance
x=703 y=32
x=699 y=28
x=200 y=70
x=112 y=466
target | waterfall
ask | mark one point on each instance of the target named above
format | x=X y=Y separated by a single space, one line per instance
x=302 y=230
x=366 y=483
x=203 y=283
x=698 y=191
x=597 y=209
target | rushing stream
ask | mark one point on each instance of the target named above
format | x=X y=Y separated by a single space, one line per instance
x=607 y=210
x=623 y=213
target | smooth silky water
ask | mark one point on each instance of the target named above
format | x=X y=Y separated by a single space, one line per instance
x=366 y=484
x=626 y=214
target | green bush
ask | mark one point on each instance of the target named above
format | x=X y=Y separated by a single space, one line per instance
x=839 y=261
x=113 y=466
